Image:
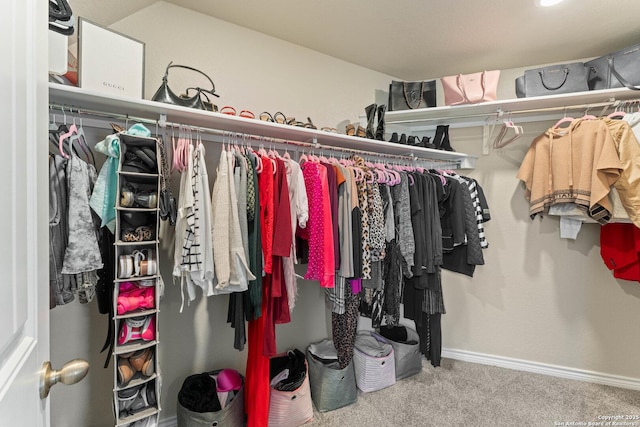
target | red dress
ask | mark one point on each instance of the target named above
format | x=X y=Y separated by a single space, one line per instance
x=275 y=221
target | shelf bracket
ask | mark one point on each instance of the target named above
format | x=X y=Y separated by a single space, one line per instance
x=162 y=121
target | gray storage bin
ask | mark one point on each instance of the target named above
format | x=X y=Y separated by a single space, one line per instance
x=231 y=416
x=331 y=387
x=408 y=358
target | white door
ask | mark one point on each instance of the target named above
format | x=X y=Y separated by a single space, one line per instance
x=24 y=305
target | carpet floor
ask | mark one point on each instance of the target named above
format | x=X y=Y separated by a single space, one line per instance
x=469 y=394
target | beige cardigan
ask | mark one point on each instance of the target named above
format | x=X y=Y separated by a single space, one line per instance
x=578 y=165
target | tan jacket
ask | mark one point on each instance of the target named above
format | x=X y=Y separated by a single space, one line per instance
x=578 y=165
x=628 y=185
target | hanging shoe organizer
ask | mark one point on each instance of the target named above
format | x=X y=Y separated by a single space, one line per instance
x=136 y=296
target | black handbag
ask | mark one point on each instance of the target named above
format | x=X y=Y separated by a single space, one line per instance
x=411 y=95
x=617 y=69
x=200 y=100
x=552 y=80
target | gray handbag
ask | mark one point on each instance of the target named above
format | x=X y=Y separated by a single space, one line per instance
x=407 y=354
x=231 y=416
x=411 y=95
x=331 y=387
x=617 y=69
x=553 y=80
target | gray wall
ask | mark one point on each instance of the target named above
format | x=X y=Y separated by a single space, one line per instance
x=538 y=298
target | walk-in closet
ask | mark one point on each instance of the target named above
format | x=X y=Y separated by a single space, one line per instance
x=344 y=213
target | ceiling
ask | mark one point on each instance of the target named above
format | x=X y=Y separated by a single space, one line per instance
x=416 y=39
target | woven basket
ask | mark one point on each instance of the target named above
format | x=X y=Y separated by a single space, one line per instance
x=373 y=373
x=291 y=408
x=231 y=416
x=408 y=358
x=331 y=388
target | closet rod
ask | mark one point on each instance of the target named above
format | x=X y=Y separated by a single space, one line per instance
x=309 y=146
x=500 y=112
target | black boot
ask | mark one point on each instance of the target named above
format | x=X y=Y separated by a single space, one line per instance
x=394 y=138
x=403 y=139
x=438 y=139
x=371 y=114
x=446 y=144
x=411 y=140
x=425 y=142
x=380 y=129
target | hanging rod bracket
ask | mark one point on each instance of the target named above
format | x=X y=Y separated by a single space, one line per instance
x=162 y=121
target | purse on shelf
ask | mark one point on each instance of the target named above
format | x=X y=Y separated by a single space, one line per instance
x=552 y=80
x=617 y=69
x=411 y=95
x=471 y=88
x=199 y=100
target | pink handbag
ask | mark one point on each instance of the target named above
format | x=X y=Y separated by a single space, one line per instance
x=471 y=88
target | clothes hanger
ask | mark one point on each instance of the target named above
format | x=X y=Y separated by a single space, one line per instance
x=563 y=120
x=72 y=130
x=588 y=116
x=500 y=140
x=617 y=113
x=303 y=158
x=79 y=136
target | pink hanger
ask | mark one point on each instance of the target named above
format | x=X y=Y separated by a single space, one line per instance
x=561 y=121
x=72 y=130
x=617 y=114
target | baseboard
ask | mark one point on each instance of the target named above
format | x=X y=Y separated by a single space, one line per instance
x=168 y=422
x=543 y=368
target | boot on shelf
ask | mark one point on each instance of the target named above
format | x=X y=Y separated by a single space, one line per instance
x=371 y=115
x=441 y=139
x=381 y=128
x=394 y=138
x=403 y=139
x=426 y=142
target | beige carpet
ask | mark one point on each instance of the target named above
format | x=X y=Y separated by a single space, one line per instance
x=469 y=394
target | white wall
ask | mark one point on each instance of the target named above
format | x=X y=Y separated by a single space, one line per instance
x=537 y=298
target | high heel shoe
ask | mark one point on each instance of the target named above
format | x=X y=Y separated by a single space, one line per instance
x=371 y=114
x=381 y=127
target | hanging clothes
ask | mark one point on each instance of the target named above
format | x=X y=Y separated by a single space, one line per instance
x=62 y=286
x=231 y=266
x=575 y=165
x=315 y=229
x=299 y=208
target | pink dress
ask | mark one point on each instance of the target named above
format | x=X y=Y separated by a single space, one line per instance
x=329 y=263
x=313 y=185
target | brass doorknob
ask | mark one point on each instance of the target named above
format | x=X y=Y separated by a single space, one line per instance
x=72 y=372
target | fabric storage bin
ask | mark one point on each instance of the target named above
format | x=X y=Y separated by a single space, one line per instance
x=290 y=408
x=406 y=349
x=373 y=372
x=331 y=387
x=232 y=415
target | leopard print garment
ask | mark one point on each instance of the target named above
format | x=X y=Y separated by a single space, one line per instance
x=363 y=202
